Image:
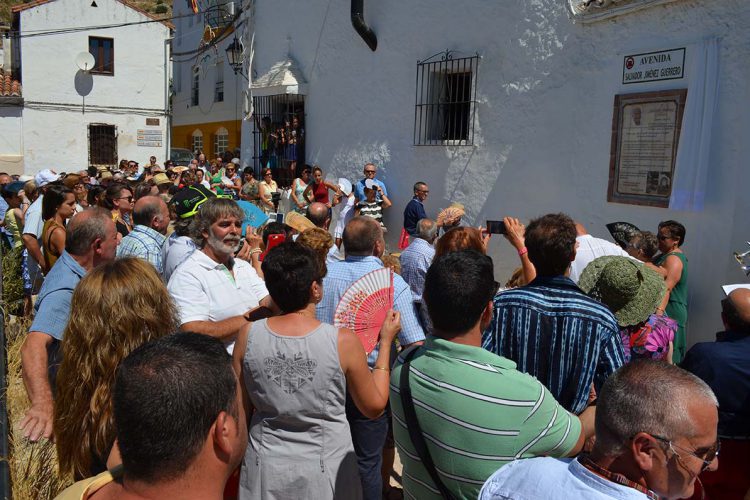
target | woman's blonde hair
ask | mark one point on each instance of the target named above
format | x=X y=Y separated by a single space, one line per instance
x=115 y=308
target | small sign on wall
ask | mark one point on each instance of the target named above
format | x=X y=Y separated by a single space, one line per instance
x=151 y=138
x=152 y=122
x=654 y=66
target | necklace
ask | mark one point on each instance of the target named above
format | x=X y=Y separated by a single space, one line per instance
x=615 y=477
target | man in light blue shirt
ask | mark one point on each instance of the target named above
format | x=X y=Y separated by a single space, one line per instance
x=364 y=243
x=145 y=241
x=656 y=431
x=416 y=259
x=91 y=239
x=359 y=188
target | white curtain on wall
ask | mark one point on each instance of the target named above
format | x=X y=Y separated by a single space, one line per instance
x=692 y=165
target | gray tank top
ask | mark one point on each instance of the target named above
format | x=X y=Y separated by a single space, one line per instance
x=300 y=445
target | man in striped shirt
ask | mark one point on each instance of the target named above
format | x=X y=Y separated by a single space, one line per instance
x=476 y=412
x=550 y=328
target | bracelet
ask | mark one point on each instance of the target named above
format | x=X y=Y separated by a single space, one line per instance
x=255 y=250
x=523 y=252
x=380 y=368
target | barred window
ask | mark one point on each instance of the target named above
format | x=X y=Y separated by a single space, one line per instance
x=195 y=88
x=446 y=100
x=219 y=87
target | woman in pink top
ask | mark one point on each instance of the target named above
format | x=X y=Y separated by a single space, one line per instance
x=319 y=188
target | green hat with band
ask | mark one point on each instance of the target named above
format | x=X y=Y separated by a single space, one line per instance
x=631 y=290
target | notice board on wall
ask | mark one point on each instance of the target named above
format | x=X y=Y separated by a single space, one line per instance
x=645 y=135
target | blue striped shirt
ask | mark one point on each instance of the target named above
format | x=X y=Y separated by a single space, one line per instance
x=556 y=333
x=340 y=277
x=145 y=243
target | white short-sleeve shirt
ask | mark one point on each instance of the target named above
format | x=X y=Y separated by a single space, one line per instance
x=204 y=290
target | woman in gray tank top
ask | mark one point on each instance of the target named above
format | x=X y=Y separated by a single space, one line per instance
x=295 y=371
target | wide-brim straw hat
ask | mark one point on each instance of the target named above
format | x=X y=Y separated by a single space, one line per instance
x=451 y=214
x=298 y=222
x=631 y=290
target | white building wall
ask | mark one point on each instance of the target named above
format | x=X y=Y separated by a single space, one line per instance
x=54 y=89
x=11 y=149
x=546 y=89
x=187 y=38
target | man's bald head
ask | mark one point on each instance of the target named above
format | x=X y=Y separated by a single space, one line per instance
x=85 y=228
x=318 y=214
x=363 y=236
x=151 y=211
x=736 y=310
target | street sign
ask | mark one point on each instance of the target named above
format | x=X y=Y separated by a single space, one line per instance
x=654 y=66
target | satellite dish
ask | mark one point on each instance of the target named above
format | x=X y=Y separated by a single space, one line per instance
x=85 y=61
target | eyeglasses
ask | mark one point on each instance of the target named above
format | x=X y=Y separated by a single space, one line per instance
x=707 y=456
x=425 y=192
x=129 y=198
x=369 y=171
x=267 y=175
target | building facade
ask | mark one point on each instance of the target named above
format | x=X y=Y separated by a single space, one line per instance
x=207 y=93
x=73 y=115
x=508 y=108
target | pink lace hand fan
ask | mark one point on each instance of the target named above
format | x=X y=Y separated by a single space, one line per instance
x=364 y=305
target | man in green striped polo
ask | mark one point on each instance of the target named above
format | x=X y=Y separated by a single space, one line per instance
x=476 y=412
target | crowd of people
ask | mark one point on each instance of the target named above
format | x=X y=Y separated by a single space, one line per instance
x=176 y=352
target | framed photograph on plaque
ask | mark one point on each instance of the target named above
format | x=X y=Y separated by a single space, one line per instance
x=645 y=135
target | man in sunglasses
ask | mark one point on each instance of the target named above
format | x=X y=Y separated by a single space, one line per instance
x=655 y=433
x=370 y=172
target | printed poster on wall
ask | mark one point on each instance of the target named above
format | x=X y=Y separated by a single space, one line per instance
x=645 y=135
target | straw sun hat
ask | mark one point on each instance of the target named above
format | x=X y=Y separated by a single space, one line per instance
x=631 y=290
x=298 y=222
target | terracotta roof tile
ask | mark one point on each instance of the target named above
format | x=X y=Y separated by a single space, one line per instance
x=8 y=86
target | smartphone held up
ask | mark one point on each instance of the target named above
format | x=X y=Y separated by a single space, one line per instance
x=496 y=227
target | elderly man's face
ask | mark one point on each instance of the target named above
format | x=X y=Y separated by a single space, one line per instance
x=370 y=171
x=684 y=457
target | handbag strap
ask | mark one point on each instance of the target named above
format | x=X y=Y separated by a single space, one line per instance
x=415 y=431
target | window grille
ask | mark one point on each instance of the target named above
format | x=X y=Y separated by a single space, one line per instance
x=221 y=141
x=277 y=143
x=219 y=87
x=446 y=100
x=103 y=50
x=197 y=141
x=219 y=13
x=195 y=88
x=102 y=145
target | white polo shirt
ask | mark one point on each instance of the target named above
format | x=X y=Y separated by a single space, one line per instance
x=205 y=290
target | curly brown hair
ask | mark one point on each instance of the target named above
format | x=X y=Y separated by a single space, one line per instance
x=115 y=308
